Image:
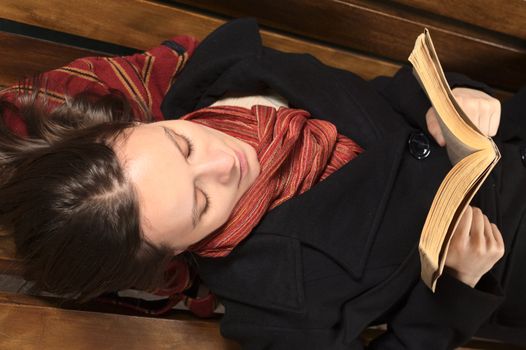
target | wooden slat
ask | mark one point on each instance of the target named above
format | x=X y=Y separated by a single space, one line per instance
x=23 y=56
x=8 y=263
x=25 y=326
x=144 y=24
x=139 y=24
x=210 y=327
x=344 y=23
x=386 y=31
x=507 y=17
x=95 y=306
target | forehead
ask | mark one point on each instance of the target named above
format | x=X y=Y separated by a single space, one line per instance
x=160 y=178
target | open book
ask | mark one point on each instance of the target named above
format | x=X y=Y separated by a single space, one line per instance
x=472 y=154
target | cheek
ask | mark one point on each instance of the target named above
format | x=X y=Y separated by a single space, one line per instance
x=227 y=207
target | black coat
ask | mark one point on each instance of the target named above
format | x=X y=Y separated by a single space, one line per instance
x=321 y=267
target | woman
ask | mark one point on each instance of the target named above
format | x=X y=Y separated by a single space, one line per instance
x=309 y=267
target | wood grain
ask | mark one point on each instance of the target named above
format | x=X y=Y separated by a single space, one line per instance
x=27 y=320
x=160 y=22
x=387 y=32
x=8 y=263
x=23 y=56
x=145 y=24
x=40 y=326
x=95 y=306
x=507 y=17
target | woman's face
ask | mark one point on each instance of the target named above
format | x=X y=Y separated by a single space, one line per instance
x=173 y=182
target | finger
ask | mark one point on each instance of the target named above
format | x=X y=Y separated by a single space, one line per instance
x=488 y=234
x=498 y=238
x=434 y=127
x=487 y=116
x=472 y=109
x=489 y=125
x=495 y=118
x=432 y=123
x=464 y=226
x=477 y=229
x=476 y=112
x=497 y=235
x=491 y=129
x=488 y=111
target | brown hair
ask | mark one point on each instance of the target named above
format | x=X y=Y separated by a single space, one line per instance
x=65 y=199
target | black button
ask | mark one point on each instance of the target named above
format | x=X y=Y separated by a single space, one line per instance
x=523 y=155
x=419 y=145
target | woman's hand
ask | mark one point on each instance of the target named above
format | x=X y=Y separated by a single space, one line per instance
x=475 y=247
x=482 y=109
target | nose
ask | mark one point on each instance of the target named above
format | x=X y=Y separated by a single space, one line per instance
x=218 y=165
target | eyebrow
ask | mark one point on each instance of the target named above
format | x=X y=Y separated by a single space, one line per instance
x=196 y=215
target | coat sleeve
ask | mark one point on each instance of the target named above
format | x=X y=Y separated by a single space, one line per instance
x=423 y=320
x=513 y=119
x=443 y=320
x=406 y=96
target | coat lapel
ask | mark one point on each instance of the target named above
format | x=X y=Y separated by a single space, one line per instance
x=265 y=270
x=347 y=208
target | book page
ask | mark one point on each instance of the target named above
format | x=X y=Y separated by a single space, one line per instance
x=466 y=137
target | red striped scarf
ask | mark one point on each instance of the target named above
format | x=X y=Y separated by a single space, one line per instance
x=294 y=150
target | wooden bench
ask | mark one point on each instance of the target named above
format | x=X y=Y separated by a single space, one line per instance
x=485 y=39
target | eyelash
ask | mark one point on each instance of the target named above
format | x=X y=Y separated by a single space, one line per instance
x=190 y=145
x=190 y=150
x=207 y=206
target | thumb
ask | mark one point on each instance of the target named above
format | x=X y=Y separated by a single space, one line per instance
x=433 y=127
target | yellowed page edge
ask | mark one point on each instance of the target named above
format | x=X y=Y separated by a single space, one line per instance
x=432 y=259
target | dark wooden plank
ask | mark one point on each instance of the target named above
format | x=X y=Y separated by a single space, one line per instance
x=507 y=17
x=30 y=326
x=139 y=24
x=95 y=306
x=8 y=264
x=359 y=25
x=45 y=305
x=386 y=31
x=23 y=57
x=367 y=335
x=159 y=22
x=144 y=24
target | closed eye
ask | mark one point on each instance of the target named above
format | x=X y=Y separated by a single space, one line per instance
x=189 y=144
x=171 y=134
x=207 y=204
